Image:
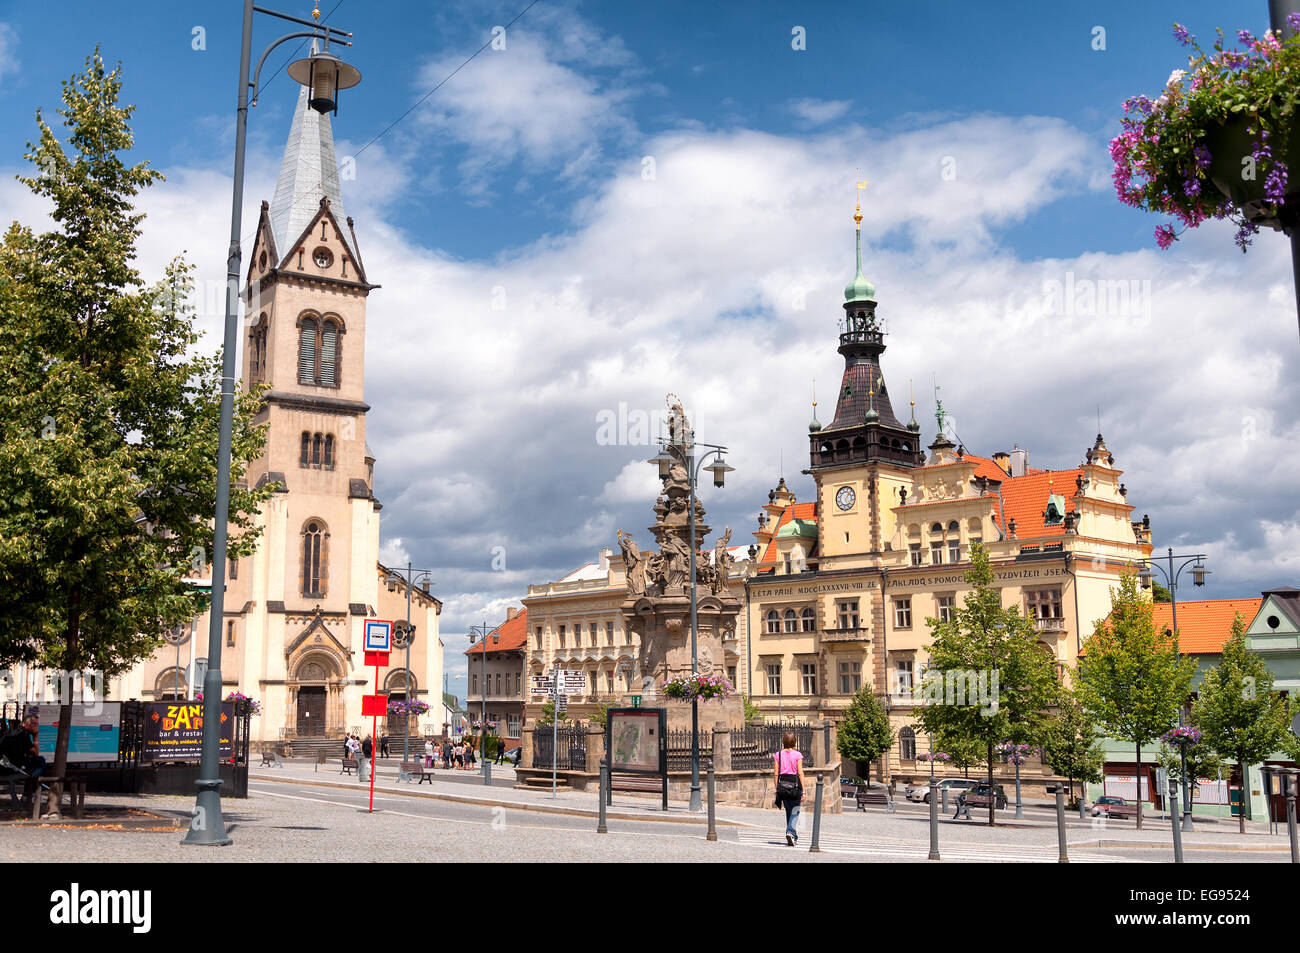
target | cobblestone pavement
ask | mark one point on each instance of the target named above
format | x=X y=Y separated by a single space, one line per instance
x=293 y=816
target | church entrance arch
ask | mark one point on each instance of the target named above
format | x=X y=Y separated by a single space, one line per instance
x=315 y=696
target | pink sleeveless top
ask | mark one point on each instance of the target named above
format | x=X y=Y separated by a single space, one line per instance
x=788 y=759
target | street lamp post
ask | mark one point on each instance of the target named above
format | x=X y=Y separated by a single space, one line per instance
x=408 y=578
x=684 y=452
x=481 y=633
x=325 y=74
x=1199 y=572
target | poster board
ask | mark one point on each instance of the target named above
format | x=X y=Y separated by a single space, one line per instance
x=173 y=731
x=93 y=737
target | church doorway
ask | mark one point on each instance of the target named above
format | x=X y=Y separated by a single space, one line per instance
x=311 y=710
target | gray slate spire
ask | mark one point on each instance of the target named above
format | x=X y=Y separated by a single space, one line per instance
x=309 y=171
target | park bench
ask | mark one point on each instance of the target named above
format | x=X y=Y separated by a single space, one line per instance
x=635 y=782
x=349 y=765
x=271 y=760
x=416 y=769
x=40 y=793
x=865 y=795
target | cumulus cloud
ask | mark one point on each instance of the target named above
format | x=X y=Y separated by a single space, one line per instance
x=818 y=111
x=9 y=61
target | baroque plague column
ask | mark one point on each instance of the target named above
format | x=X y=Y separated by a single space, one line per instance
x=658 y=605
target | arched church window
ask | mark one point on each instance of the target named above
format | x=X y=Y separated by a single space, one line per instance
x=317 y=443
x=329 y=451
x=257 y=350
x=307 y=351
x=305 y=458
x=315 y=558
x=319 y=351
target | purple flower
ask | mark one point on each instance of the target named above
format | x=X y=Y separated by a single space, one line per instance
x=1293 y=21
x=1165 y=236
x=1182 y=36
x=1202 y=155
x=1246 y=37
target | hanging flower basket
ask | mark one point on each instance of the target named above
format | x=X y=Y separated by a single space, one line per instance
x=1015 y=754
x=938 y=757
x=1182 y=736
x=412 y=707
x=1217 y=143
x=244 y=704
x=697 y=687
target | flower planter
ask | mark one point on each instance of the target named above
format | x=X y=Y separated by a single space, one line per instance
x=1230 y=147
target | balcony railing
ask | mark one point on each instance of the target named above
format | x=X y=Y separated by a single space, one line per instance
x=1049 y=625
x=858 y=634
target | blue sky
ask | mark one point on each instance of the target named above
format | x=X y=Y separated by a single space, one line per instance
x=719 y=277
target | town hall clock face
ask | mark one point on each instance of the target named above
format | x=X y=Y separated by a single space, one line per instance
x=845 y=498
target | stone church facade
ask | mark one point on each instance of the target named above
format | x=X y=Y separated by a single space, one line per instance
x=294 y=609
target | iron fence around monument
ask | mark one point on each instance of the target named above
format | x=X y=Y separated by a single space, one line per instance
x=571 y=742
x=679 y=749
x=753 y=746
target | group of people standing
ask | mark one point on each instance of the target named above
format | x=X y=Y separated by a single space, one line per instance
x=454 y=756
x=364 y=753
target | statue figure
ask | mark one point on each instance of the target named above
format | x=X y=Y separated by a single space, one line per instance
x=721 y=562
x=677 y=555
x=635 y=563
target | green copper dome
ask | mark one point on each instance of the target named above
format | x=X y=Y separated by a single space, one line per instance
x=859 y=289
x=815 y=426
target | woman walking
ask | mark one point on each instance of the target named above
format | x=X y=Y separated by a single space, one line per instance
x=787 y=774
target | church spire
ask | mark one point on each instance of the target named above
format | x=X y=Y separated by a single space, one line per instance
x=859 y=289
x=308 y=173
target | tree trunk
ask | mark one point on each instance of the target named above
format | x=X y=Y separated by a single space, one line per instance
x=1245 y=796
x=1137 y=780
x=65 y=701
x=993 y=799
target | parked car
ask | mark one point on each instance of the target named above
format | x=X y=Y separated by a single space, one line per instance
x=978 y=796
x=513 y=755
x=1111 y=806
x=954 y=786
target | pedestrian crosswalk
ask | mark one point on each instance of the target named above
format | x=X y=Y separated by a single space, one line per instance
x=849 y=844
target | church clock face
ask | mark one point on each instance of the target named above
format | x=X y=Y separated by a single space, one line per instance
x=845 y=498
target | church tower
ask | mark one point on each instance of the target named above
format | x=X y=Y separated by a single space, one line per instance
x=313 y=580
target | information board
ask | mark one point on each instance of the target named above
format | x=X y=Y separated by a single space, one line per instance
x=173 y=731
x=93 y=735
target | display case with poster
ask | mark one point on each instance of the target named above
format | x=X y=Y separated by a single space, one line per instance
x=636 y=744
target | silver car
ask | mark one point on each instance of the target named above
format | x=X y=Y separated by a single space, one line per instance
x=955 y=786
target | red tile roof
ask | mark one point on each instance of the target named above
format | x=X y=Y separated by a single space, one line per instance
x=1024 y=499
x=797 y=511
x=512 y=635
x=1204 y=625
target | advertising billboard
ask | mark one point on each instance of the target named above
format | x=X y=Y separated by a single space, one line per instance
x=93 y=735
x=173 y=731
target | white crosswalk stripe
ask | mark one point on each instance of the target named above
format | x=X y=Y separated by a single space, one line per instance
x=845 y=844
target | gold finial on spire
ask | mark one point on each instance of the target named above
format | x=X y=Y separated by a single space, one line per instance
x=857 y=213
x=814 y=396
x=315 y=11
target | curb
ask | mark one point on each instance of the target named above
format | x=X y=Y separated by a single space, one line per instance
x=516 y=805
x=1148 y=845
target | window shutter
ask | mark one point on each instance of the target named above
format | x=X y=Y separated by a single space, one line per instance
x=329 y=354
x=307 y=352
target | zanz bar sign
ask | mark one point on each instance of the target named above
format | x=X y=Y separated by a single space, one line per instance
x=173 y=731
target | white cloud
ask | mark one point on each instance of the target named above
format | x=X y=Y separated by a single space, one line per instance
x=9 y=61
x=818 y=111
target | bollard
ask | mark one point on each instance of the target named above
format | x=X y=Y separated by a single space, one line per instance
x=1060 y=825
x=1289 y=781
x=1083 y=801
x=1173 y=821
x=934 y=822
x=945 y=800
x=815 y=847
x=604 y=782
x=487 y=771
x=712 y=793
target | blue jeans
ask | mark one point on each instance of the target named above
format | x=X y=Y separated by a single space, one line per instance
x=792 y=818
x=36 y=766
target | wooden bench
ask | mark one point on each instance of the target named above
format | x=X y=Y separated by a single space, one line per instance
x=43 y=790
x=349 y=765
x=416 y=769
x=271 y=760
x=635 y=782
x=865 y=795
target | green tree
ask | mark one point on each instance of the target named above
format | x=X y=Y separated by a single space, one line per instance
x=547 y=715
x=753 y=713
x=964 y=753
x=600 y=714
x=1202 y=761
x=865 y=734
x=108 y=420
x=1159 y=593
x=1130 y=676
x=1238 y=713
x=1072 y=744
x=987 y=680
